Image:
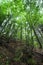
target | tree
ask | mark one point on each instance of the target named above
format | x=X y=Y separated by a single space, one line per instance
x=26 y=14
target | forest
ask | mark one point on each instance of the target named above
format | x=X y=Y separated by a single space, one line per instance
x=21 y=32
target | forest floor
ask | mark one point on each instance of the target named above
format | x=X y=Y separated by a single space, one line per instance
x=7 y=55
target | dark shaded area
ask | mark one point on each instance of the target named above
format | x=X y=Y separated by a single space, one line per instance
x=29 y=56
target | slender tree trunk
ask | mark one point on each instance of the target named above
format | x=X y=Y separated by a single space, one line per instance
x=37 y=36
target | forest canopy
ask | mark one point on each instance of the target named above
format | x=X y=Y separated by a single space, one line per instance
x=20 y=18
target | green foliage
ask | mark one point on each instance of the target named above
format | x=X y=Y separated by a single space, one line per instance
x=32 y=61
x=25 y=14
